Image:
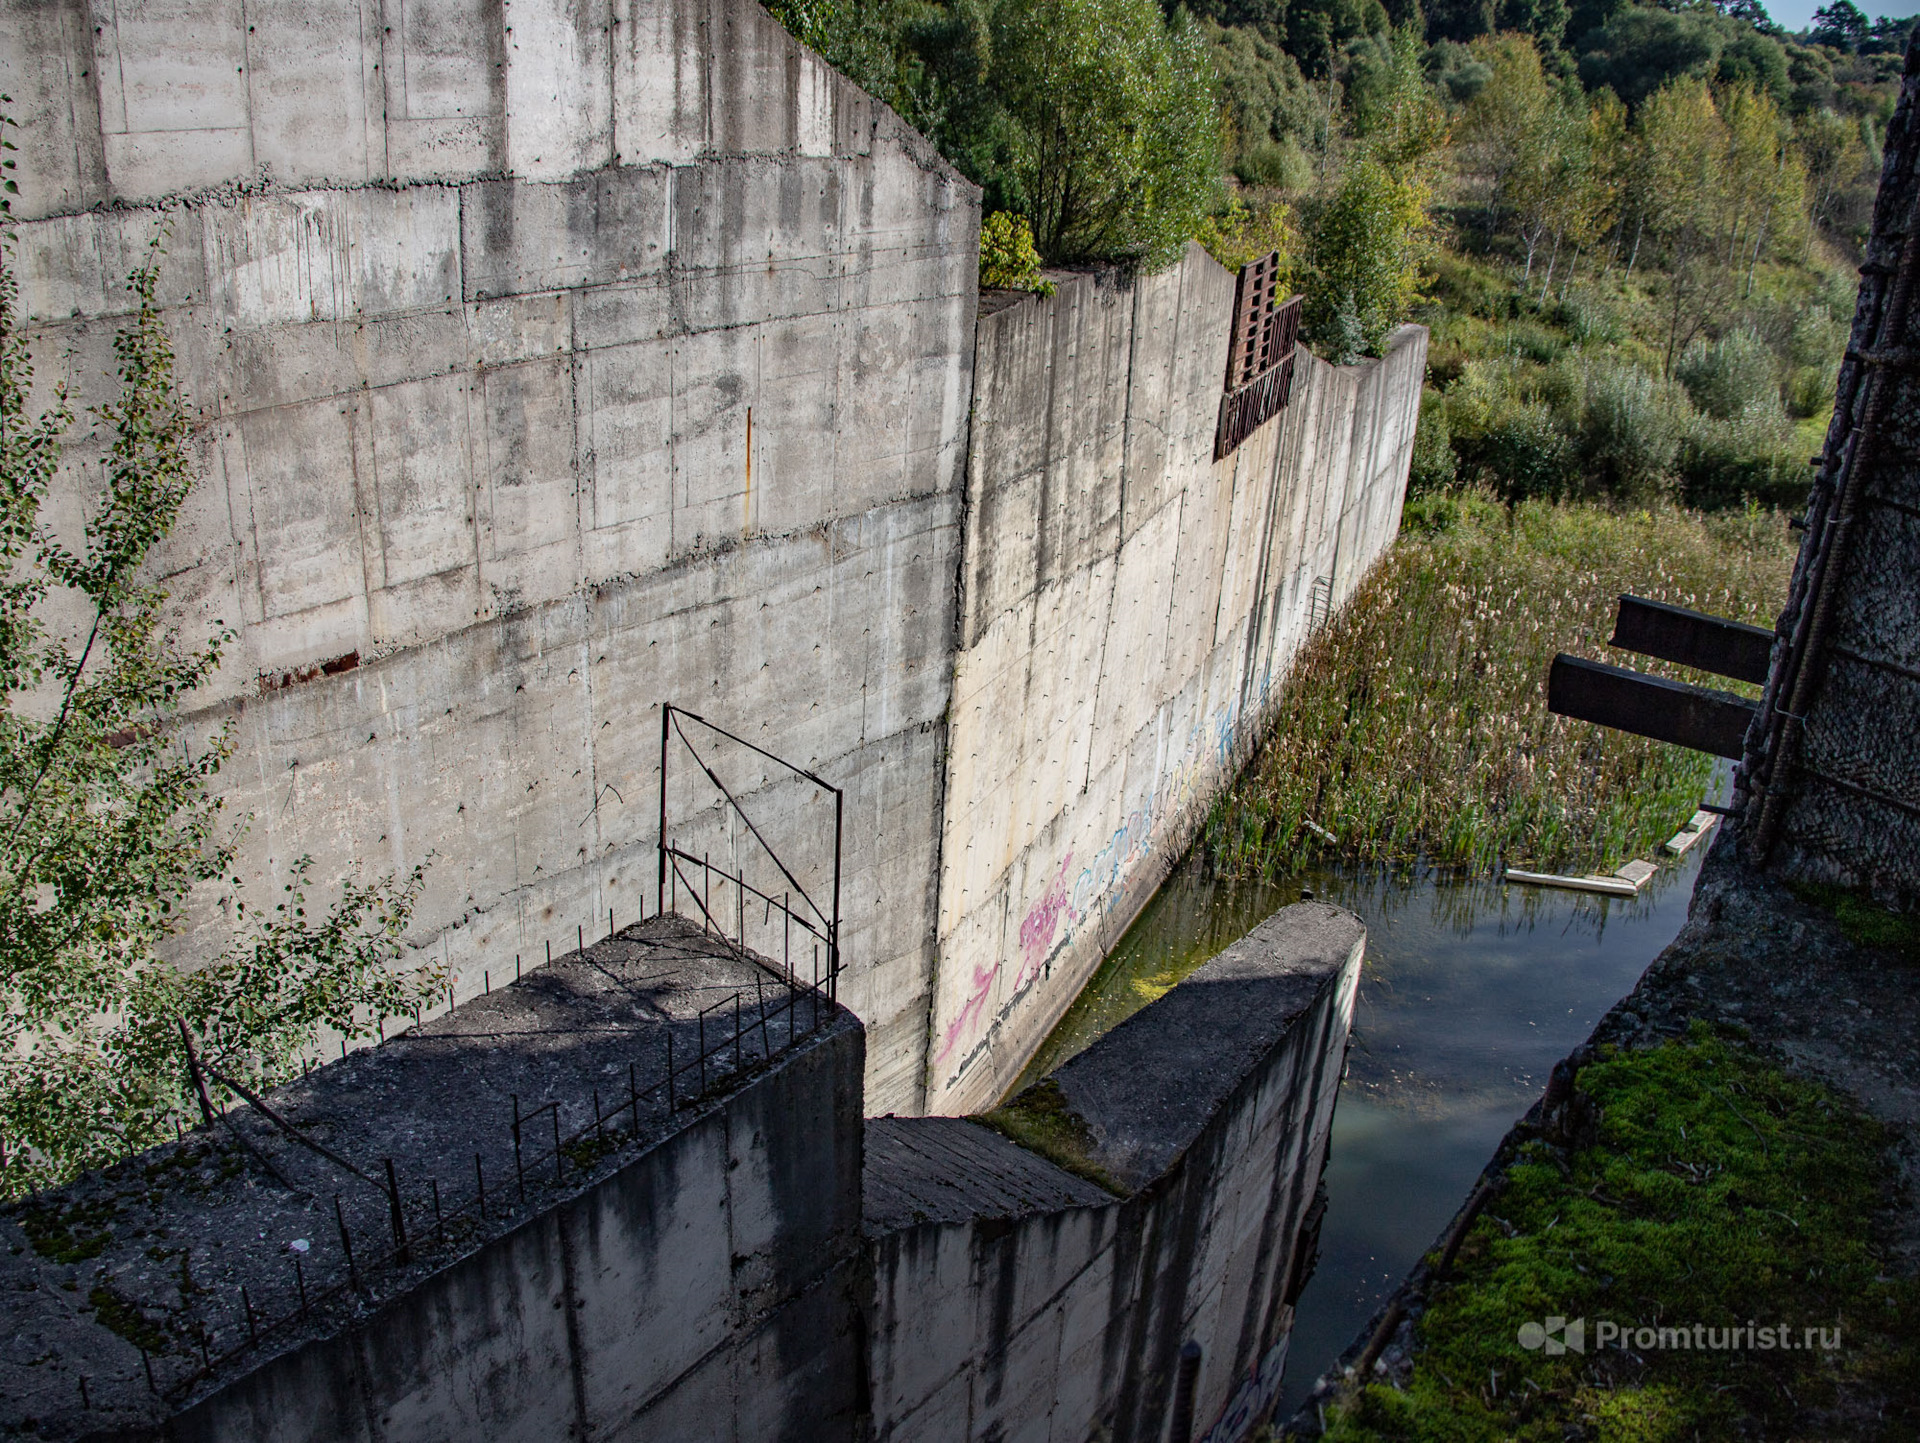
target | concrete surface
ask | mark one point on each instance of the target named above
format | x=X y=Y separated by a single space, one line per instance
x=1128 y=607
x=998 y=1314
x=553 y=359
x=734 y=1219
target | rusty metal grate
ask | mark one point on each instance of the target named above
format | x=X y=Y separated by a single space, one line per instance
x=1260 y=357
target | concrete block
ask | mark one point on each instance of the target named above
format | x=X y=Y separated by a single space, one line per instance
x=314 y=97
x=654 y=1282
x=559 y=98
x=660 y=80
x=46 y=55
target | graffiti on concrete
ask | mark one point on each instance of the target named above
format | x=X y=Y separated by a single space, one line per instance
x=1108 y=880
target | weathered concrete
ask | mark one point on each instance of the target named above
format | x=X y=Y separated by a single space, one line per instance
x=686 y=1273
x=715 y=1265
x=1829 y=789
x=555 y=359
x=1014 y=1299
x=559 y=358
x=1128 y=606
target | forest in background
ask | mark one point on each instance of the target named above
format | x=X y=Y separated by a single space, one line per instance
x=1631 y=229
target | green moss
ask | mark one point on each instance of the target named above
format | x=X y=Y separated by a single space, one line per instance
x=122 y=1316
x=1040 y=1120
x=68 y=1234
x=1717 y=1191
x=1865 y=923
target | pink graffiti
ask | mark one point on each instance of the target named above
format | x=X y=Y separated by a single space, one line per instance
x=1042 y=921
x=982 y=985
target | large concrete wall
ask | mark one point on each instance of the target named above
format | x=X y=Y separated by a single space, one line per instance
x=554 y=359
x=558 y=358
x=1009 y=1305
x=1128 y=605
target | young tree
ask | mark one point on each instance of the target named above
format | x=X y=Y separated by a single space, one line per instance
x=1370 y=239
x=1723 y=188
x=1116 y=137
x=106 y=823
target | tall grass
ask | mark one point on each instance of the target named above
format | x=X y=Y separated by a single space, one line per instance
x=1416 y=724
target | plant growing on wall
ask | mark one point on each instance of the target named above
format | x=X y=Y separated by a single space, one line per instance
x=1008 y=260
x=106 y=823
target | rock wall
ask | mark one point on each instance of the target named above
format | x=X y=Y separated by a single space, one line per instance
x=1128 y=604
x=554 y=359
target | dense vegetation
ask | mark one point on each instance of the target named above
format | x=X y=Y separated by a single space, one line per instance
x=1415 y=725
x=1715 y=1190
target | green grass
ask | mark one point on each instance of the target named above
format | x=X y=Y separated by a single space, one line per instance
x=1716 y=1190
x=1864 y=922
x=1416 y=724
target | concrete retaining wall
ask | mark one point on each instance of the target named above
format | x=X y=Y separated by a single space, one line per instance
x=1128 y=605
x=1004 y=1308
x=557 y=358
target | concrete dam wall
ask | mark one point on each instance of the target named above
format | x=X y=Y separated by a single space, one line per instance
x=570 y=1246
x=1128 y=606
x=555 y=359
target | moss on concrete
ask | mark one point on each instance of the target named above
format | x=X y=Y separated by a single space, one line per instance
x=1040 y=1120
x=1865 y=922
x=1711 y=1188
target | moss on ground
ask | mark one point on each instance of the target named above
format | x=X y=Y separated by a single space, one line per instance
x=1864 y=922
x=1040 y=1120
x=1714 y=1190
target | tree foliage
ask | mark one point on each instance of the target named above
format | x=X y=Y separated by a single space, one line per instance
x=106 y=822
x=1115 y=142
x=1368 y=239
x=1096 y=120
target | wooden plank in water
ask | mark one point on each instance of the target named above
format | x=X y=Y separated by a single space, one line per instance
x=1606 y=886
x=1698 y=825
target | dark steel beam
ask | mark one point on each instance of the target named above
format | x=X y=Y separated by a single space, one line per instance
x=1650 y=706
x=1692 y=638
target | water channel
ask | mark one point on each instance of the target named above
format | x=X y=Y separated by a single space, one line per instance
x=1470 y=992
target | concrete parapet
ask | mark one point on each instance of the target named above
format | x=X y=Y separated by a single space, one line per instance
x=683 y=1271
x=1015 y=1298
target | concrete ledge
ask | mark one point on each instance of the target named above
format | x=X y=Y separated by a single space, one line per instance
x=1015 y=1298
x=1148 y=1087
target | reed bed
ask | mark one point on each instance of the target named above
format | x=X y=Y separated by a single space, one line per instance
x=1415 y=725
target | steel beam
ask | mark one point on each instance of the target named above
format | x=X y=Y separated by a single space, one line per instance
x=1650 y=706
x=1692 y=638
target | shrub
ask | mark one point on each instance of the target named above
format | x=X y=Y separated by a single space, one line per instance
x=1008 y=260
x=1631 y=429
x=1732 y=377
x=1588 y=319
x=1434 y=465
x=1114 y=136
x=1241 y=233
x=1281 y=165
x=1747 y=458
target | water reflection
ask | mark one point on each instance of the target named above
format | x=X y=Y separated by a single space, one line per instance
x=1470 y=993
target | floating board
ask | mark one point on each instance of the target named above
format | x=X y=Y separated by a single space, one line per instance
x=1697 y=827
x=1626 y=882
x=1608 y=886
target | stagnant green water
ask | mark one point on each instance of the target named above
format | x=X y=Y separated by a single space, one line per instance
x=1470 y=992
